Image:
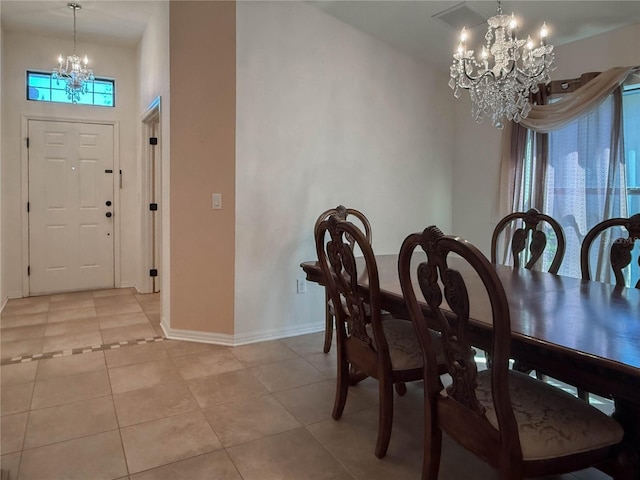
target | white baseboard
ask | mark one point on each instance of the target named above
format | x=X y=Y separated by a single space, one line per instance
x=240 y=339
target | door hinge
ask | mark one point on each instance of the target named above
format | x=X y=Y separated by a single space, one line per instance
x=28 y=207
x=153 y=207
x=29 y=270
x=153 y=272
x=153 y=140
x=27 y=142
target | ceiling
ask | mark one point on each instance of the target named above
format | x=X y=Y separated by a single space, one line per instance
x=407 y=25
x=110 y=22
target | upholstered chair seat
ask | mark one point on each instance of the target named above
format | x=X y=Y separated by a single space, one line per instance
x=551 y=422
x=404 y=347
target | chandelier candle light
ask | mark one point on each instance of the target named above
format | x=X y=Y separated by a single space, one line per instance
x=508 y=70
x=74 y=69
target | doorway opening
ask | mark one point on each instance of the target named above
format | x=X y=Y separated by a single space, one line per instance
x=152 y=194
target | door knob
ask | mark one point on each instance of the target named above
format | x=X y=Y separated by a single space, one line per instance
x=108 y=214
x=108 y=203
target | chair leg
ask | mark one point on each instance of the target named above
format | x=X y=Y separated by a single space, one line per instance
x=432 y=443
x=626 y=466
x=401 y=388
x=385 y=417
x=488 y=359
x=583 y=394
x=342 y=388
x=328 y=327
x=519 y=366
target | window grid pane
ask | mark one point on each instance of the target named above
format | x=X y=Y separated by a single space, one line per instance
x=42 y=88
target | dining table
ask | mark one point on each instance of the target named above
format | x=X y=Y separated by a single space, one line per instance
x=581 y=332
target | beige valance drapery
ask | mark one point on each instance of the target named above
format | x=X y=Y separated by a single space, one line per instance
x=546 y=118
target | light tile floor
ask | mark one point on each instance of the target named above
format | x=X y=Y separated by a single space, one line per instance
x=119 y=402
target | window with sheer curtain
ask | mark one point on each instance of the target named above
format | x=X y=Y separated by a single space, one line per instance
x=585 y=172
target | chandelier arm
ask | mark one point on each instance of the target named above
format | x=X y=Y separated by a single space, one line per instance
x=475 y=79
x=542 y=68
x=513 y=67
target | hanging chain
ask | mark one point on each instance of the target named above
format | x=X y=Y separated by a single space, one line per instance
x=74 y=7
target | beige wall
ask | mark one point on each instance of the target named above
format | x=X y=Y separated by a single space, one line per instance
x=3 y=296
x=202 y=154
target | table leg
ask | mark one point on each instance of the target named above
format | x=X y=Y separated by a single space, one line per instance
x=628 y=415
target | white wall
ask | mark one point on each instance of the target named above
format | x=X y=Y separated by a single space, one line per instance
x=327 y=115
x=476 y=158
x=153 y=56
x=617 y=48
x=22 y=52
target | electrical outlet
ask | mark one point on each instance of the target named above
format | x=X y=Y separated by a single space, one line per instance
x=301 y=286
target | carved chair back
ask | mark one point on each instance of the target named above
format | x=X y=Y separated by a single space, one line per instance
x=620 y=250
x=530 y=234
x=336 y=240
x=458 y=411
x=343 y=213
x=349 y=214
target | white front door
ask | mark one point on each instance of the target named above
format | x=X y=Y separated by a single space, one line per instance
x=71 y=195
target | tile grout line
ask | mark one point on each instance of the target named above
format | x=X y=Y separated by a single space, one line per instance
x=80 y=350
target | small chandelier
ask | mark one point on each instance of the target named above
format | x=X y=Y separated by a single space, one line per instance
x=507 y=71
x=74 y=69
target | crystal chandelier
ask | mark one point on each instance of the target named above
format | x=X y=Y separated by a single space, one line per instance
x=508 y=70
x=74 y=69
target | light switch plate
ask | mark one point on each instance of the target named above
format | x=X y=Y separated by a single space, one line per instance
x=216 y=201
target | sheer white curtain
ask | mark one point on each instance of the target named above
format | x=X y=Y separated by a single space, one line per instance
x=585 y=181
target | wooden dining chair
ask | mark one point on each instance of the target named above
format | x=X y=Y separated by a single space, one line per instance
x=619 y=251
x=520 y=426
x=529 y=233
x=345 y=214
x=385 y=350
